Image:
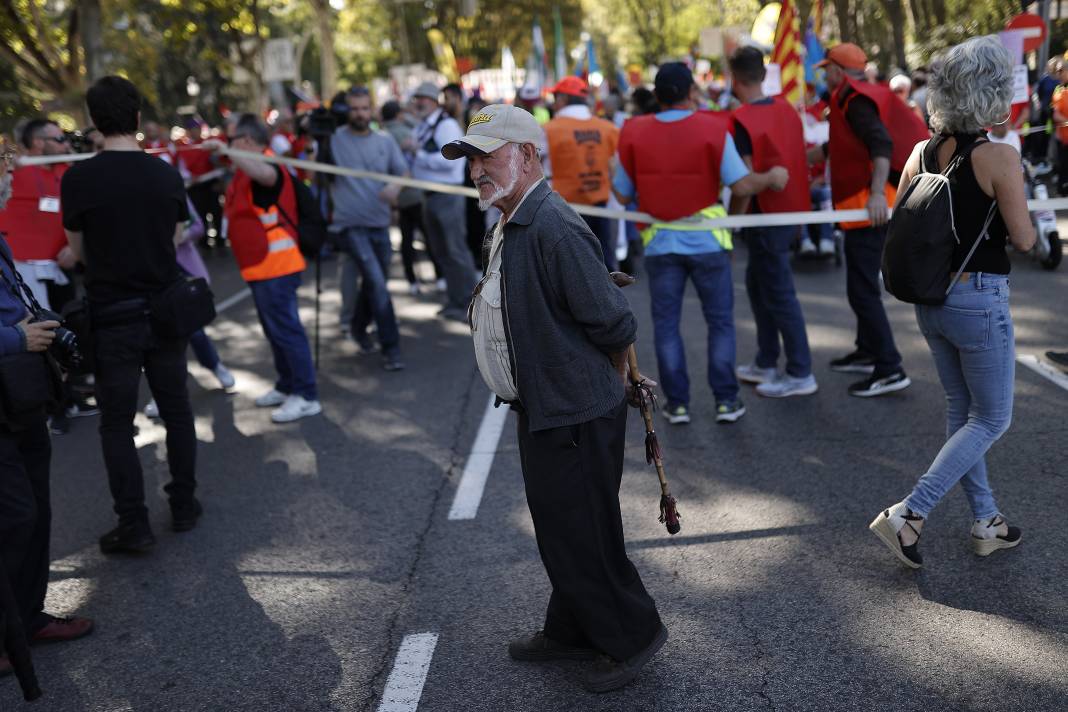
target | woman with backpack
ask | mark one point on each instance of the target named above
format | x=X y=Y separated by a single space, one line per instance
x=968 y=327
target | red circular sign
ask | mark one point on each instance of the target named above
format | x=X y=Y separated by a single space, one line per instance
x=1026 y=22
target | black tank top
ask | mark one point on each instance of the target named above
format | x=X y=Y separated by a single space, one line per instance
x=970 y=208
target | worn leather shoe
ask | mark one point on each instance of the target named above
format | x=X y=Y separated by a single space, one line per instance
x=136 y=538
x=184 y=516
x=540 y=648
x=611 y=674
x=60 y=630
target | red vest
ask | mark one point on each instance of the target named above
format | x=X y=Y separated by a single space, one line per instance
x=263 y=242
x=34 y=234
x=674 y=165
x=197 y=161
x=778 y=140
x=850 y=163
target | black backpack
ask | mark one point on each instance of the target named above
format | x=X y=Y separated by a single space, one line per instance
x=310 y=224
x=922 y=236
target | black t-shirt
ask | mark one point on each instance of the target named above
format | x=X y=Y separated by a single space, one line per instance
x=126 y=204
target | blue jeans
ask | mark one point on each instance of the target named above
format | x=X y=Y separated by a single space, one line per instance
x=711 y=275
x=372 y=251
x=204 y=350
x=971 y=339
x=770 y=284
x=276 y=305
x=821 y=196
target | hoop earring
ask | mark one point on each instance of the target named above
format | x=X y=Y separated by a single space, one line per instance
x=1005 y=120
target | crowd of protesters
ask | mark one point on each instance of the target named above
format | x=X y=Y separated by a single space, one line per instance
x=677 y=154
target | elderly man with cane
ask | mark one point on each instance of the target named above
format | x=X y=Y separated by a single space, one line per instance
x=551 y=333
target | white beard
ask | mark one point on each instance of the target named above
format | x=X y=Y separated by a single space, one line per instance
x=485 y=204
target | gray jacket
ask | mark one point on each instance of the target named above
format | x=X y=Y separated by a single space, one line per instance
x=563 y=314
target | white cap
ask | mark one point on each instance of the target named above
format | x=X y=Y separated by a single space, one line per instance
x=491 y=128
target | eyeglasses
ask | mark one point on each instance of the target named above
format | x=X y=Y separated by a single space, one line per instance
x=57 y=139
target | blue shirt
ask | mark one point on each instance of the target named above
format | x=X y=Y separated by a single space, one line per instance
x=12 y=310
x=686 y=242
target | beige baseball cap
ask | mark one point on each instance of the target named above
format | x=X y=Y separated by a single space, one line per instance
x=491 y=128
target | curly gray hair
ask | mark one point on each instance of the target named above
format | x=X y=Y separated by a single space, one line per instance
x=970 y=88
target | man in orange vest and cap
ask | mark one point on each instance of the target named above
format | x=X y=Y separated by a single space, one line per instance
x=873 y=133
x=768 y=132
x=581 y=149
x=261 y=210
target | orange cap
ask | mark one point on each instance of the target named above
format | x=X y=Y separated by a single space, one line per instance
x=846 y=55
x=572 y=86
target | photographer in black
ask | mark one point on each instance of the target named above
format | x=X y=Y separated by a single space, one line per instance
x=25 y=459
x=124 y=211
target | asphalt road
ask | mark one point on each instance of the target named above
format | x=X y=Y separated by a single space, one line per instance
x=324 y=543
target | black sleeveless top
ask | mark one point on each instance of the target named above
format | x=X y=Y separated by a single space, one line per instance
x=970 y=208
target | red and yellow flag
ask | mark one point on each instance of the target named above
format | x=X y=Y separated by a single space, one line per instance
x=787 y=53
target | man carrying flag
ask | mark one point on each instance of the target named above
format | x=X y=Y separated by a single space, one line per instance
x=872 y=136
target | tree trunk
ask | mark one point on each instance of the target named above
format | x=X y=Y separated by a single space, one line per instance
x=89 y=28
x=846 y=25
x=324 y=17
x=895 y=12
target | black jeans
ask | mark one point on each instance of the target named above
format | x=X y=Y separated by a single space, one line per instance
x=26 y=516
x=572 y=477
x=409 y=220
x=863 y=256
x=121 y=353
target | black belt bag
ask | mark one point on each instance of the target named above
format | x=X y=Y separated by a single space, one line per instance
x=186 y=306
x=30 y=384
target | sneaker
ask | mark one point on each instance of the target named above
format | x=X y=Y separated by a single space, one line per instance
x=152 y=410
x=392 y=363
x=540 y=648
x=856 y=362
x=880 y=385
x=59 y=424
x=135 y=538
x=294 y=408
x=271 y=399
x=751 y=373
x=184 y=516
x=786 y=385
x=677 y=414
x=987 y=537
x=414 y=290
x=888 y=524
x=1059 y=358
x=226 y=379
x=441 y=285
x=610 y=674
x=808 y=247
x=826 y=246
x=365 y=344
x=82 y=409
x=729 y=412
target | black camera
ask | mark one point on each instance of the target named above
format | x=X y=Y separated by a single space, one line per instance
x=64 y=347
x=321 y=123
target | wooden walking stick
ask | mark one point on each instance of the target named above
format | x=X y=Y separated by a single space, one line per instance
x=646 y=400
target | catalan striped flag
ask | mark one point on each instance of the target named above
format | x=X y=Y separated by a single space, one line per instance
x=787 y=53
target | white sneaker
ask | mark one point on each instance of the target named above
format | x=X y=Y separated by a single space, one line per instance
x=226 y=379
x=826 y=246
x=152 y=410
x=271 y=398
x=751 y=373
x=442 y=285
x=807 y=246
x=786 y=385
x=294 y=408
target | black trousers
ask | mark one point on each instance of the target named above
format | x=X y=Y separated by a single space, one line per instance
x=863 y=256
x=26 y=516
x=122 y=352
x=572 y=476
x=410 y=219
x=604 y=229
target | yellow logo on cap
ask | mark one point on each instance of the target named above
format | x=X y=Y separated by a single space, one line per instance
x=479 y=118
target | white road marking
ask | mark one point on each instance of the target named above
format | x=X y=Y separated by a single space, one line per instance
x=232 y=300
x=405 y=684
x=1044 y=369
x=479 y=462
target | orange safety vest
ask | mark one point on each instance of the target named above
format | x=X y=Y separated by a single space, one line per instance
x=263 y=242
x=581 y=152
